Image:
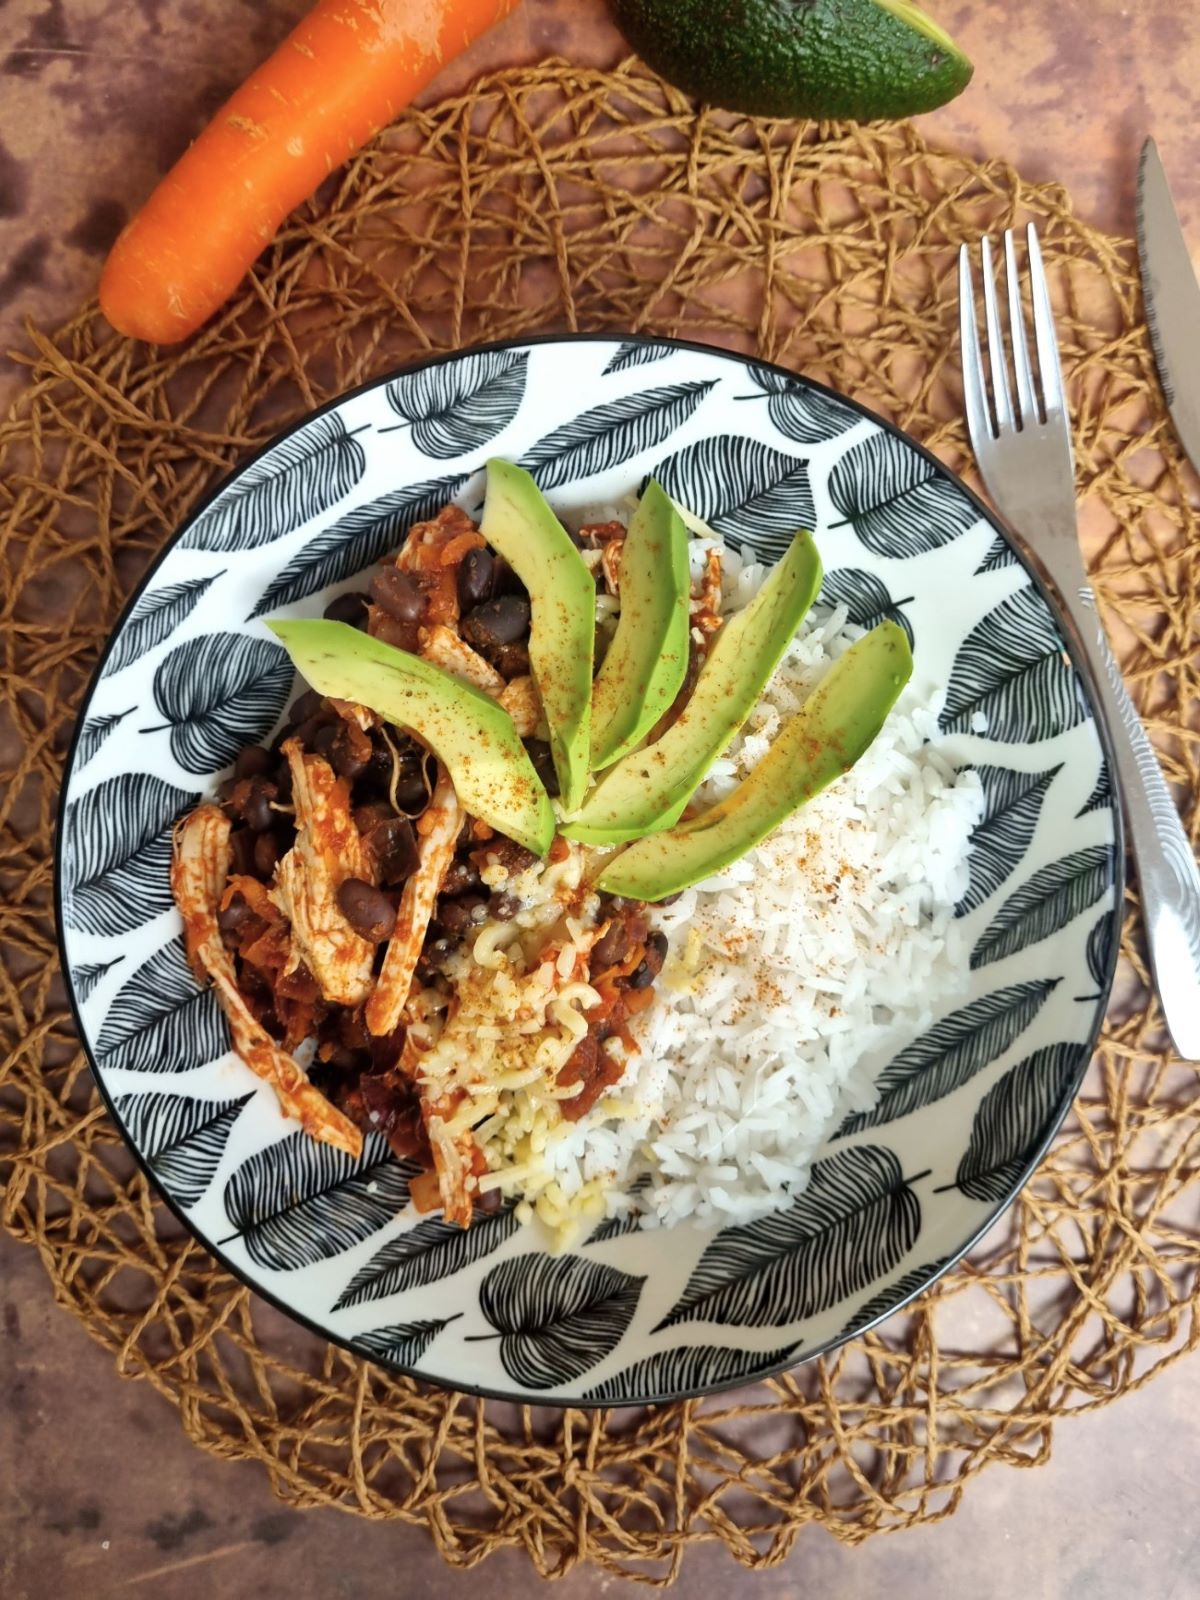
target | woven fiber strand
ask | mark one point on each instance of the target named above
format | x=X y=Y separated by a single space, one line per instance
x=559 y=198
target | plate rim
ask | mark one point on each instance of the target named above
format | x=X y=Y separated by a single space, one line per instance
x=1041 y=583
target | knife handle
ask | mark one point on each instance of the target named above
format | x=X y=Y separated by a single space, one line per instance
x=1166 y=862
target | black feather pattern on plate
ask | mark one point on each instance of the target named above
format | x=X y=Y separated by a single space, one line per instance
x=117 y=854
x=452 y=408
x=425 y=1254
x=1012 y=1120
x=752 y=495
x=856 y=1219
x=218 y=693
x=1012 y=803
x=557 y=1316
x=162 y=1020
x=611 y=433
x=951 y=1053
x=297 y=479
x=182 y=1138
x=1053 y=897
x=356 y=540
x=298 y=1201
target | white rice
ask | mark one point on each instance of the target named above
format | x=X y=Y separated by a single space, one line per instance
x=792 y=976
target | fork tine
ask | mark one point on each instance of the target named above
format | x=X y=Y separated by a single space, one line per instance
x=1050 y=372
x=1026 y=400
x=996 y=358
x=979 y=424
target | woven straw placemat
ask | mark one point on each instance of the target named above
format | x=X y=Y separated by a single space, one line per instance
x=561 y=198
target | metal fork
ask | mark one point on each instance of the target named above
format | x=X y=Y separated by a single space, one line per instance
x=1027 y=465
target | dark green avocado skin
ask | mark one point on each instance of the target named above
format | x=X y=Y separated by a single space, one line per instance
x=790 y=58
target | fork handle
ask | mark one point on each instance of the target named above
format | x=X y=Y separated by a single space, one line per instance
x=1167 y=870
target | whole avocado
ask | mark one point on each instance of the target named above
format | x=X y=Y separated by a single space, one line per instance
x=832 y=59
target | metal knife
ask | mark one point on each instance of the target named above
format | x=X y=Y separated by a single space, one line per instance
x=1172 y=297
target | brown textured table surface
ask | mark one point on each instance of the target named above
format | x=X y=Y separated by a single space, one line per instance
x=100 y=1492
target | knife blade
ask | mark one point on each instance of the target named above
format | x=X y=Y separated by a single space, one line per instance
x=1172 y=297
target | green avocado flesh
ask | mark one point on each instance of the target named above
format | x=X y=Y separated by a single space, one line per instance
x=488 y=765
x=648 y=789
x=521 y=526
x=835 y=726
x=858 y=59
x=647 y=660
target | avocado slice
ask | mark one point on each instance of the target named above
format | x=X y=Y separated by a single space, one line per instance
x=488 y=765
x=649 y=788
x=562 y=639
x=836 y=724
x=647 y=660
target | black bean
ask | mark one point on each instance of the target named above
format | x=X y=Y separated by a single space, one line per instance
x=611 y=947
x=489 y=1202
x=475 y=574
x=368 y=911
x=266 y=854
x=306 y=734
x=543 y=764
x=309 y=705
x=236 y=916
x=498 y=621
x=400 y=635
x=412 y=794
x=506 y=581
x=460 y=876
x=399 y=594
x=350 y=608
x=394 y=847
x=458 y=917
x=651 y=965
x=253 y=762
x=324 y=739
x=504 y=906
x=371 y=814
x=351 y=753
x=510 y=660
x=241 y=843
x=453 y=918
x=435 y=954
x=226 y=788
x=513 y=857
x=256 y=807
x=352 y=1029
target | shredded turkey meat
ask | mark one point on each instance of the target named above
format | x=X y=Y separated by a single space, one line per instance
x=199 y=871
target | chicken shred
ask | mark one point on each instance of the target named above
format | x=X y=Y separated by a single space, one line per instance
x=610 y=562
x=706 y=606
x=199 y=869
x=327 y=851
x=360 y=716
x=437 y=831
x=523 y=704
x=443 y=647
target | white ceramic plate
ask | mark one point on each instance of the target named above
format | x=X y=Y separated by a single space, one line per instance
x=192 y=674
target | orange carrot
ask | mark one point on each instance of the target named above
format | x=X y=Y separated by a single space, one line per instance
x=346 y=70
